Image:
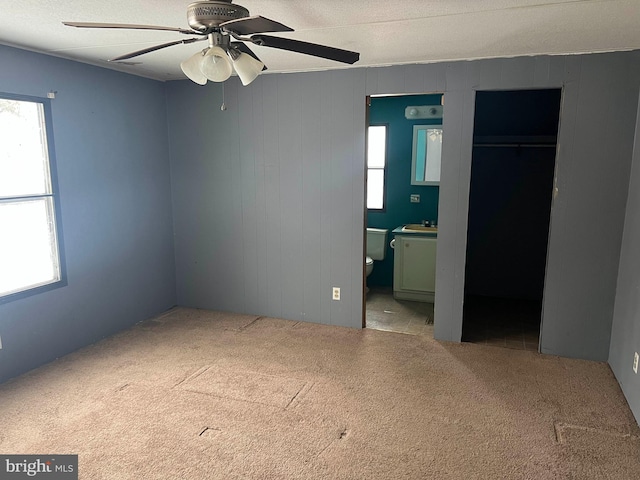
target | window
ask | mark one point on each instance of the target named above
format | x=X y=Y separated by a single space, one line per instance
x=29 y=247
x=376 y=162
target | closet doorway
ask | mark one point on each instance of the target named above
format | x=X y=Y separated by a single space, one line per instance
x=511 y=190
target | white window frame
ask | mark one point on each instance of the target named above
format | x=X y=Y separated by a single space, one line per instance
x=377 y=169
x=51 y=204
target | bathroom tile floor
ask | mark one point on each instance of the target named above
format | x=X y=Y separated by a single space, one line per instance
x=502 y=322
x=506 y=323
x=384 y=312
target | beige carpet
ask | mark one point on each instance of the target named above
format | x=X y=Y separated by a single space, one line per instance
x=205 y=395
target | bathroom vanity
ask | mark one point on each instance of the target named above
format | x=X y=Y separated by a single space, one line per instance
x=414 y=263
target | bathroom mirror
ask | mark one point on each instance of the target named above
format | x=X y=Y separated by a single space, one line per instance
x=426 y=155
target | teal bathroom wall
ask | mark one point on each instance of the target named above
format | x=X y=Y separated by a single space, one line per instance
x=398 y=189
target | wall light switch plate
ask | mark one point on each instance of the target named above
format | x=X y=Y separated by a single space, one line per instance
x=635 y=362
x=336 y=293
x=0 y=343
x=415 y=198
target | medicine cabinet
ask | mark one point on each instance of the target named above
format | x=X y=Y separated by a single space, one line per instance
x=426 y=155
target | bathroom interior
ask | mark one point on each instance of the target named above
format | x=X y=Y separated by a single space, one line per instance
x=510 y=200
x=404 y=141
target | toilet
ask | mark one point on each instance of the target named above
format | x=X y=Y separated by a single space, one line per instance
x=368 y=265
x=376 y=247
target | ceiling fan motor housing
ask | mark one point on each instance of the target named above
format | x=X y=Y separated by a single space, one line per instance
x=208 y=15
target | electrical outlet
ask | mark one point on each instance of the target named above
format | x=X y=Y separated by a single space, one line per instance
x=336 y=293
x=414 y=198
x=635 y=362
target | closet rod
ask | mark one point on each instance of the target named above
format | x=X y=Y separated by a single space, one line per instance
x=528 y=145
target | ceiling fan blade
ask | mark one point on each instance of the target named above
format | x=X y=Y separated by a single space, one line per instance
x=255 y=24
x=331 y=53
x=129 y=26
x=153 y=49
x=244 y=49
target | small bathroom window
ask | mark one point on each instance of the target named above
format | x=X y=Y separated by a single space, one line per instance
x=376 y=164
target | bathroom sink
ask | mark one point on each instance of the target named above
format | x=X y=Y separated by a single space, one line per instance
x=416 y=227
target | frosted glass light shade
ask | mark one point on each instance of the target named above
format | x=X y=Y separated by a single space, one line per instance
x=215 y=66
x=191 y=68
x=247 y=68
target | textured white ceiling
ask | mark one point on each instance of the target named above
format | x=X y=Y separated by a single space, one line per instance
x=384 y=32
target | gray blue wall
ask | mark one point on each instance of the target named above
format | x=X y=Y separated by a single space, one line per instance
x=625 y=334
x=269 y=195
x=110 y=134
x=591 y=167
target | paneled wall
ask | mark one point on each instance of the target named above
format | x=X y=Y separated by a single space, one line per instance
x=594 y=155
x=267 y=198
x=113 y=175
x=625 y=334
x=269 y=194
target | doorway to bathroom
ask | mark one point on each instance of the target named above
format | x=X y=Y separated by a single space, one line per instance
x=511 y=191
x=394 y=200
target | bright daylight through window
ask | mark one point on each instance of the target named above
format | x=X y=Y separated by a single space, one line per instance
x=29 y=255
x=376 y=161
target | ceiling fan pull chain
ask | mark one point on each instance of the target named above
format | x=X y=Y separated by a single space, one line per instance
x=223 y=107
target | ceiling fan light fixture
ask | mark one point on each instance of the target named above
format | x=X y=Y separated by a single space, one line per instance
x=191 y=68
x=218 y=21
x=215 y=65
x=247 y=67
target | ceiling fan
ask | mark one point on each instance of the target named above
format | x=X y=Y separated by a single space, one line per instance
x=218 y=21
